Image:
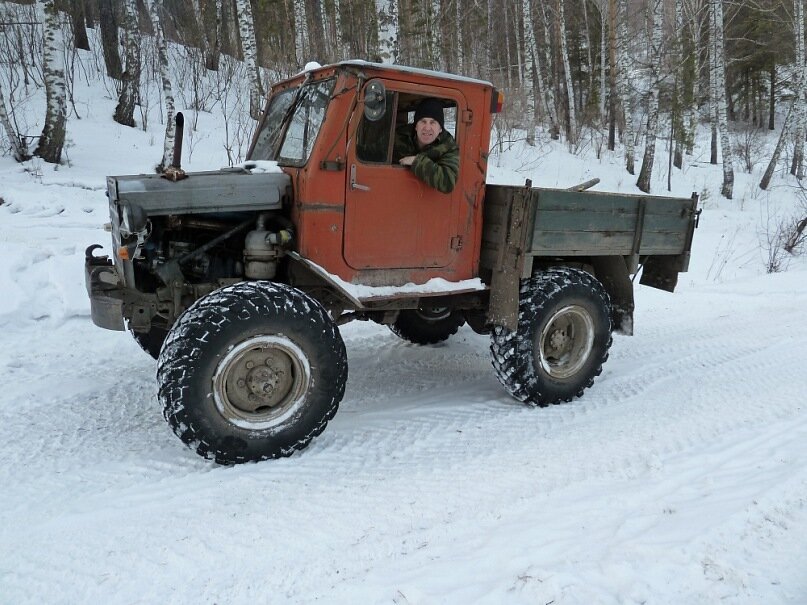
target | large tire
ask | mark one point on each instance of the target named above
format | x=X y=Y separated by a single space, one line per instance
x=562 y=339
x=427 y=325
x=152 y=341
x=250 y=372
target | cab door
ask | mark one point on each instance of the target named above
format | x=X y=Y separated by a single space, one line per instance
x=392 y=219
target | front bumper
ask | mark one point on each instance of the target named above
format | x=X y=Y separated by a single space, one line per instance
x=105 y=291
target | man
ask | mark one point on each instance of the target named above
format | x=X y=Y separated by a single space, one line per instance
x=427 y=148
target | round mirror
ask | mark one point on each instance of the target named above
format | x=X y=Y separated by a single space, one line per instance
x=375 y=100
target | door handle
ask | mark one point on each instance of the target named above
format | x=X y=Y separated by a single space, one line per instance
x=353 y=183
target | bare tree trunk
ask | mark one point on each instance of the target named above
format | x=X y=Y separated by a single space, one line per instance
x=388 y=30
x=772 y=102
x=564 y=50
x=249 y=47
x=168 y=94
x=109 y=39
x=435 y=36
x=78 y=21
x=19 y=147
x=720 y=85
x=213 y=56
x=341 y=40
x=624 y=85
x=130 y=82
x=612 y=52
x=777 y=152
x=532 y=63
x=646 y=172
x=51 y=142
x=603 y=51
x=460 y=36
x=300 y=32
x=800 y=110
x=678 y=129
x=551 y=105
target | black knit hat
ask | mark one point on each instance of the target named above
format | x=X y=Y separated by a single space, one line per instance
x=430 y=108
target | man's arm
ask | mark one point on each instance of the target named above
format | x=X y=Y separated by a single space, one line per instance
x=438 y=168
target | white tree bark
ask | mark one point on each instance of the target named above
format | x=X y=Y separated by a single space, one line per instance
x=388 y=30
x=800 y=109
x=460 y=36
x=246 y=28
x=530 y=65
x=603 y=53
x=624 y=86
x=551 y=105
x=51 y=142
x=719 y=65
x=646 y=173
x=567 y=72
x=341 y=39
x=300 y=33
x=19 y=148
x=130 y=83
x=165 y=80
x=436 y=36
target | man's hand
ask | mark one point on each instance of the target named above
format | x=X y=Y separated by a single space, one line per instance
x=407 y=160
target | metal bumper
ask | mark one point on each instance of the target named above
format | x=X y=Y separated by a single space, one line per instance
x=104 y=290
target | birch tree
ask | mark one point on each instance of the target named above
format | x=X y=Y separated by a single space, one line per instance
x=435 y=36
x=168 y=95
x=719 y=67
x=51 y=141
x=549 y=90
x=249 y=47
x=624 y=85
x=460 y=42
x=800 y=109
x=213 y=55
x=646 y=172
x=567 y=72
x=300 y=32
x=388 y=30
x=130 y=81
x=531 y=66
x=19 y=148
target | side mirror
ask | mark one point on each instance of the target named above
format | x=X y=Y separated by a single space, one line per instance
x=375 y=100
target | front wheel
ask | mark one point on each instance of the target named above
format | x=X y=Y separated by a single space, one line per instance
x=250 y=372
x=562 y=339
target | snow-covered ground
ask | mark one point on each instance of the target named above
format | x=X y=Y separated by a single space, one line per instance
x=680 y=477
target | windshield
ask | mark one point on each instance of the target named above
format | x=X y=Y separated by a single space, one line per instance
x=292 y=123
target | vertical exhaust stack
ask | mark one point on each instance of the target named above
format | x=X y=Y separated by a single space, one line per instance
x=174 y=172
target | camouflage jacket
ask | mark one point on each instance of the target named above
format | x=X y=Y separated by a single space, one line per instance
x=437 y=164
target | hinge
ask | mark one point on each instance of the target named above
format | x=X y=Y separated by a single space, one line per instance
x=467 y=116
x=456 y=242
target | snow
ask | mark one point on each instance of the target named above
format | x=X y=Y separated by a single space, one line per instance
x=680 y=476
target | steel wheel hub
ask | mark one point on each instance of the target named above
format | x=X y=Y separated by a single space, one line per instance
x=261 y=381
x=566 y=342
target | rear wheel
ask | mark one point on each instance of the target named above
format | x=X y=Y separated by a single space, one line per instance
x=250 y=372
x=427 y=325
x=562 y=339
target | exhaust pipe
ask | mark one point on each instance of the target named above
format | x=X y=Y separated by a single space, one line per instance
x=174 y=172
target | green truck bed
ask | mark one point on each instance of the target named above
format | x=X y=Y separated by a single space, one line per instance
x=527 y=227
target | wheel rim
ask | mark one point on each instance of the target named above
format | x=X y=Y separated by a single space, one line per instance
x=566 y=342
x=433 y=313
x=261 y=382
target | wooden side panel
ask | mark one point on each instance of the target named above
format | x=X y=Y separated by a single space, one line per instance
x=570 y=223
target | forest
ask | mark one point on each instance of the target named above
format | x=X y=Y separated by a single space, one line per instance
x=602 y=74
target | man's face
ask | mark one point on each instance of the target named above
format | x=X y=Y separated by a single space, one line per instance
x=427 y=130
